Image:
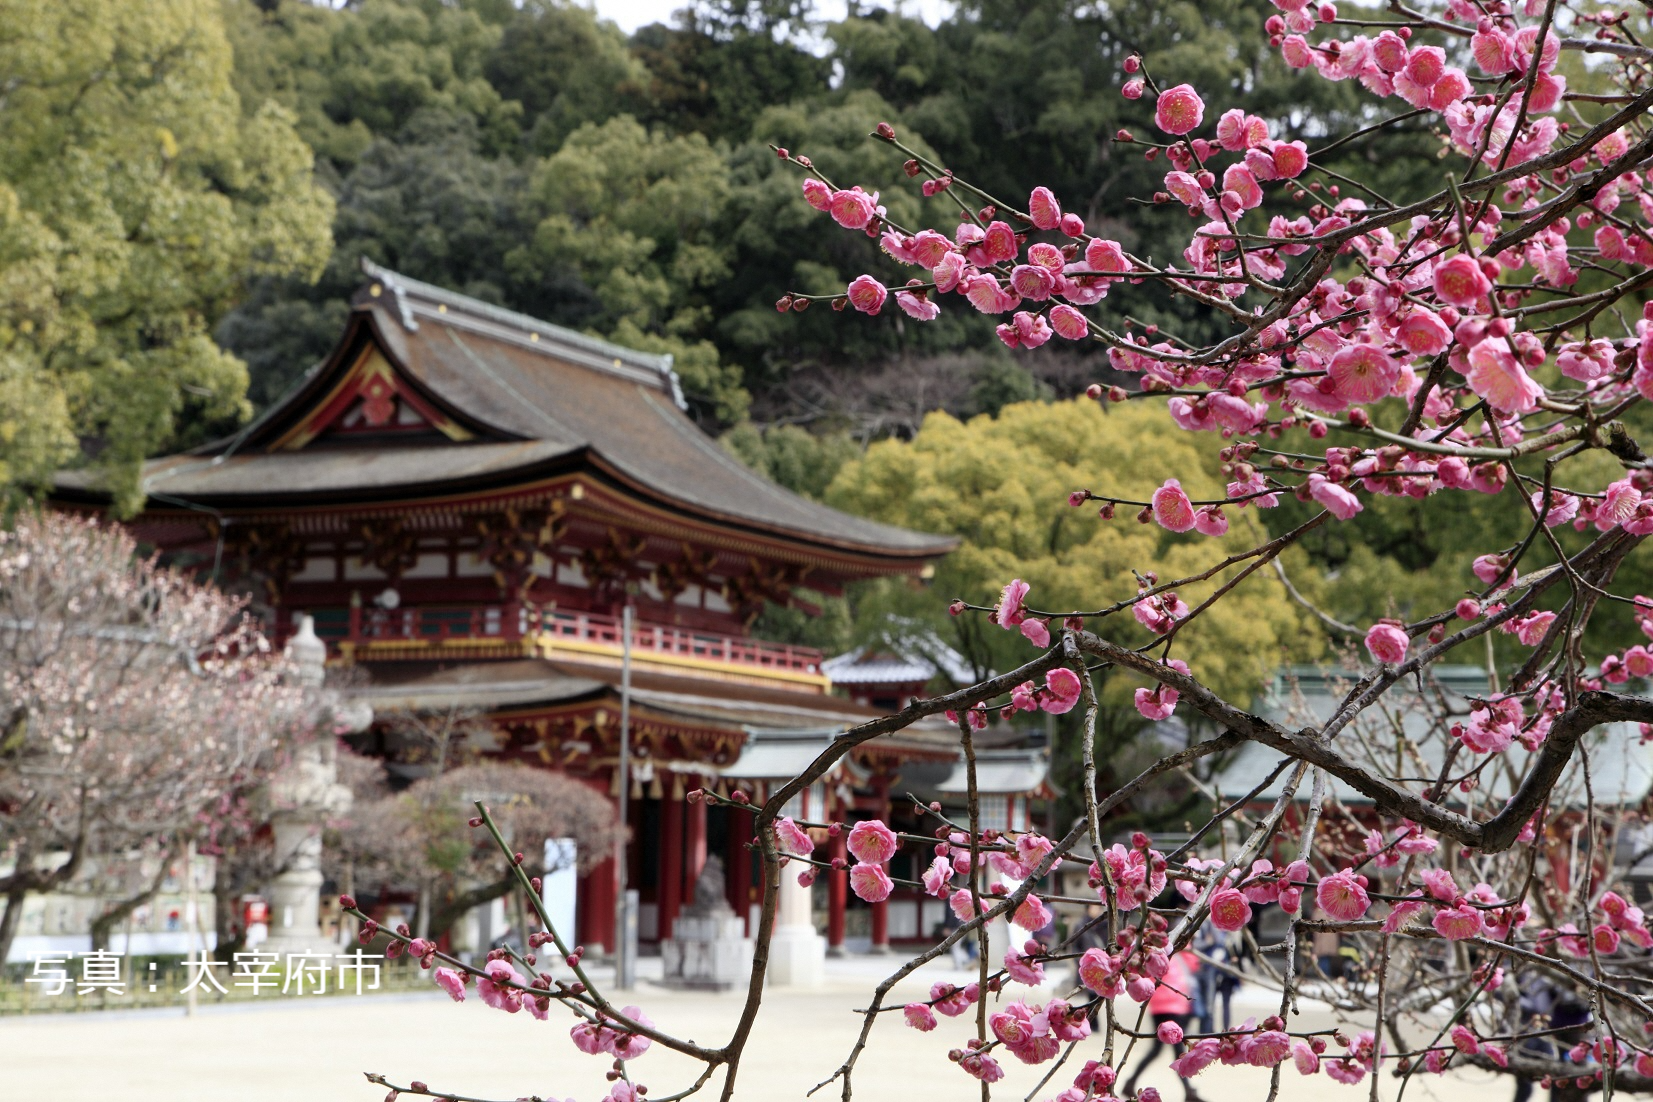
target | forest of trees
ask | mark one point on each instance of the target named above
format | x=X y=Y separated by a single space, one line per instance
x=177 y=252
x=532 y=155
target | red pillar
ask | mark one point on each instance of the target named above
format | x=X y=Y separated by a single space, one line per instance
x=670 y=893
x=596 y=907
x=881 y=909
x=837 y=896
x=694 y=845
x=738 y=860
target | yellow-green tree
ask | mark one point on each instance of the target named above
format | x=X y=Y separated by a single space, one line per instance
x=1001 y=485
x=137 y=194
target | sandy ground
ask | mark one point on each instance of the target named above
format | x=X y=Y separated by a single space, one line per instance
x=283 y=1051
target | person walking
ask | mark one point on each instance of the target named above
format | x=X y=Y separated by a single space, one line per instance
x=1171 y=1003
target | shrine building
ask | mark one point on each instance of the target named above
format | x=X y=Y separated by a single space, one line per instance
x=466 y=499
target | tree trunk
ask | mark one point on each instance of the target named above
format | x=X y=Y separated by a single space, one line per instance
x=452 y=910
x=13 y=916
x=224 y=913
x=106 y=922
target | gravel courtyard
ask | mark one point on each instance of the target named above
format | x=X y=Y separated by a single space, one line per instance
x=287 y=1050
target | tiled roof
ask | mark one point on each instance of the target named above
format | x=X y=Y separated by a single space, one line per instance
x=908 y=652
x=534 y=397
x=1621 y=769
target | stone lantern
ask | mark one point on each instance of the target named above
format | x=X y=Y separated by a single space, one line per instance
x=301 y=798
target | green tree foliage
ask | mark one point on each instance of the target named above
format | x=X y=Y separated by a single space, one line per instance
x=1000 y=484
x=723 y=65
x=138 y=193
x=365 y=72
x=803 y=462
x=565 y=69
x=997 y=482
x=634 y=213
x=603 y=127
x=429 y=203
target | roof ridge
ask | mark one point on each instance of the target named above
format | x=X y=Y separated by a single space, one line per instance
x=401 y=287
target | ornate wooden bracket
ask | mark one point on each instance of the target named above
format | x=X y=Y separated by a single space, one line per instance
x=512 y=537
x=609 y=566
x=270 y=552
x=390 y=545
x=771 y=582
x=693 y=568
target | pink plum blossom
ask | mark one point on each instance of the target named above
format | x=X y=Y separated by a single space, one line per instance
x=1172 y=508
x=853 y=209
x=871 y=841
x=1338 y=501
x=452 y=982
x=1179 y=110
x=866 y=294
x=1387 y=643
x=1010 y=611
x=1230 y=910
x=792 y=838
x=1460 y=282
x=1457 y=923
x=1065 y=690
x=870 y=882
x=1342 y=896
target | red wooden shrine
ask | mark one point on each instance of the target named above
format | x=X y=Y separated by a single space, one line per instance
x=465 y=499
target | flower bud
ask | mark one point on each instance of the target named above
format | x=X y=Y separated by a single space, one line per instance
x=885 y=131
x=348 y=902
x=476 y=821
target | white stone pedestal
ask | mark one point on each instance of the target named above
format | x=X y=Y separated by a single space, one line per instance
x=797 y=954
x=708 y=952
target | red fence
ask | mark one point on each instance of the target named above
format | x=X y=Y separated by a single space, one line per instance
x=438 y=624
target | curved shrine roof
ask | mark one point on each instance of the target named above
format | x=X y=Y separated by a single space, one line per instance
x=514 y=399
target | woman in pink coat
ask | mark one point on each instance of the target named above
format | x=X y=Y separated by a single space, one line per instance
x=1172 y=1001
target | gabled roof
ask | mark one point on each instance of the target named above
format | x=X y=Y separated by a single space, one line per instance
x=464 y=396
x=1014 y=772
x=907 y=652
x=1621 y=768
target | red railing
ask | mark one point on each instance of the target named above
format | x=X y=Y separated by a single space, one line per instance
x=439 y=624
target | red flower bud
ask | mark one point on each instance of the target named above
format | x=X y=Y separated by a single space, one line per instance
x=476 y=821
x=886 y=131
x=348 y=902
